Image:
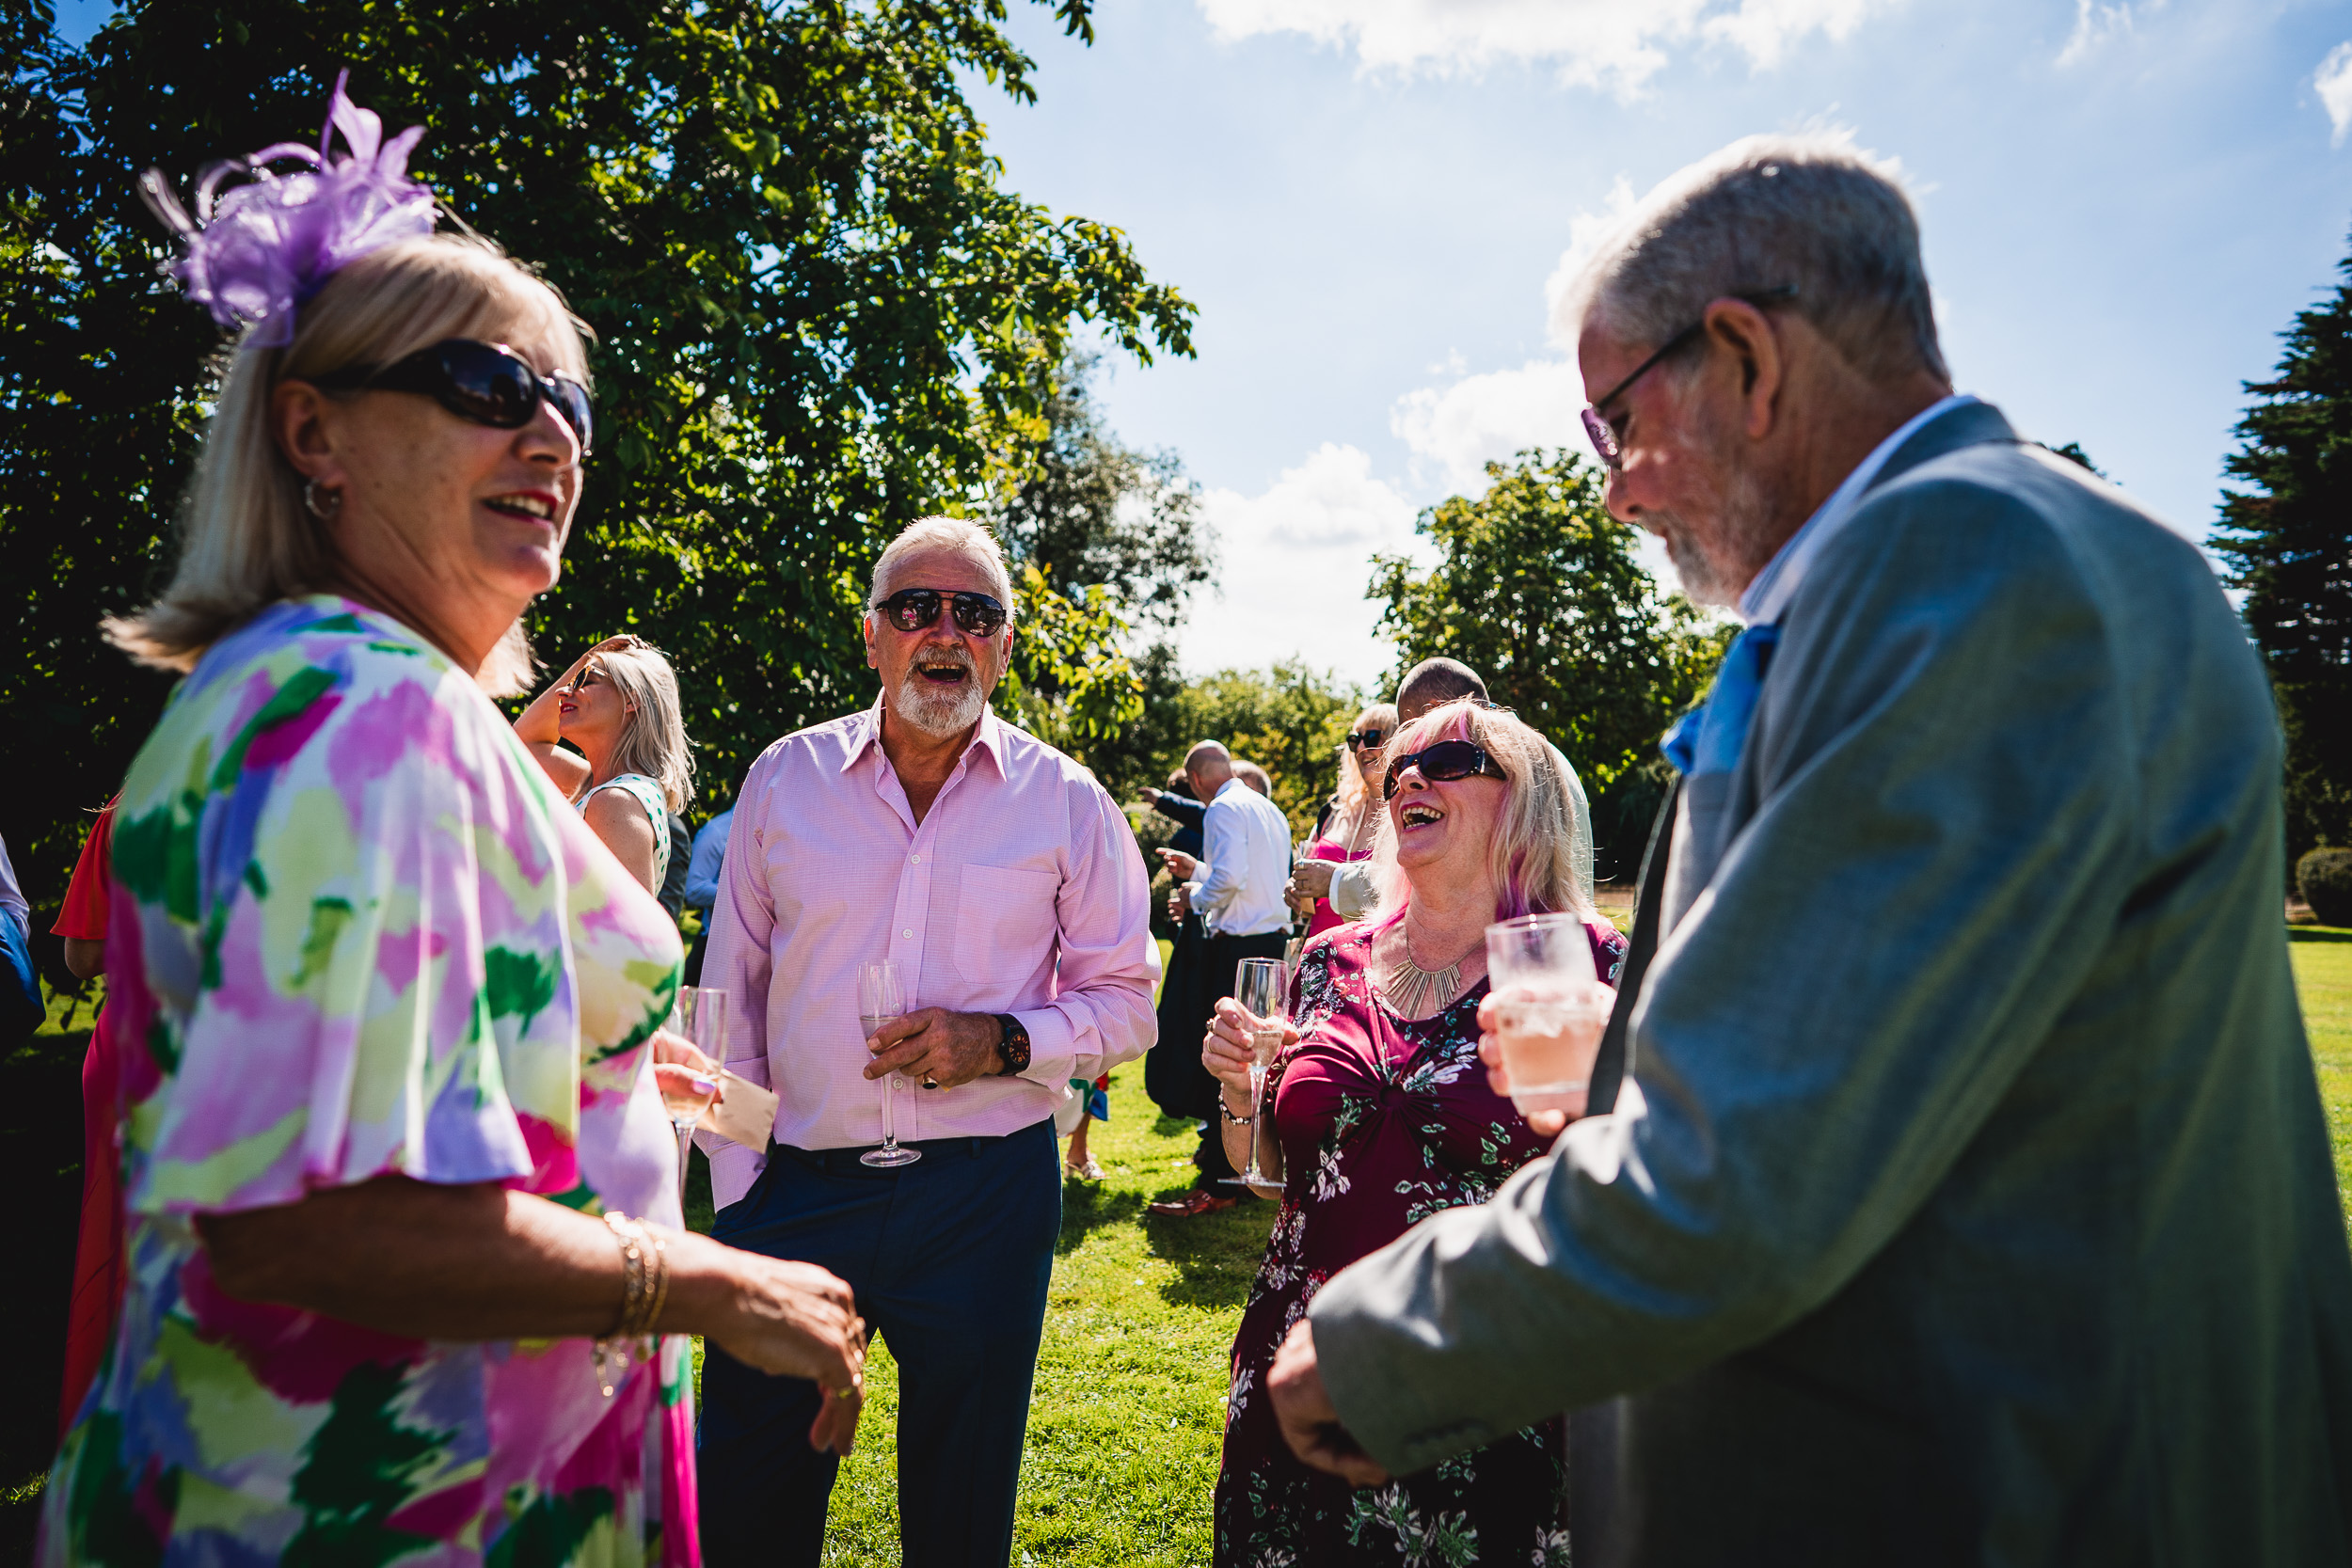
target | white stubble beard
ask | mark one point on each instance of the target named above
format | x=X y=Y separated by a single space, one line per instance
x=935 y=713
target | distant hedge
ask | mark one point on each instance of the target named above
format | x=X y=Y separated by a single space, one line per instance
x=2324 y=877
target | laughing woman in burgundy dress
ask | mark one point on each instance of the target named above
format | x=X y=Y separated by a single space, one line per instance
x=1384 y=1118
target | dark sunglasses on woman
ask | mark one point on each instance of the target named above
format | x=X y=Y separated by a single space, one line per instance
x=1444 y=763
x=486 y=383
x=1365 y=739
x=914 y=608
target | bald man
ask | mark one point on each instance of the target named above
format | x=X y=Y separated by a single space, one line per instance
x=1236 y=886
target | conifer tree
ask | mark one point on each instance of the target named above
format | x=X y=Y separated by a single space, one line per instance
x=2289 y=536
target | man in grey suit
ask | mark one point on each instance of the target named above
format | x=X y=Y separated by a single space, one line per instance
x=1967 y=1197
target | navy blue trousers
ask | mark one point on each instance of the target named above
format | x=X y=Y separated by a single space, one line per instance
x=950 y=1258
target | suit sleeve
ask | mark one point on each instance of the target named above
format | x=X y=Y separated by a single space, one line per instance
x=1939 y=778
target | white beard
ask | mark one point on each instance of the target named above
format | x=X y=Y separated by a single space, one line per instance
x=936 y=713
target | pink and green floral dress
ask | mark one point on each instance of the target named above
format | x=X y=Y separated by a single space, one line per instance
x=355 y=933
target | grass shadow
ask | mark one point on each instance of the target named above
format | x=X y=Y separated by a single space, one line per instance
x=1214 y=1257
x=1088 y=1207
x=2318 y=933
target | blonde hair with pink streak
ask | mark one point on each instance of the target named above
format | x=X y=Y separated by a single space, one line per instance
x=1534 y=853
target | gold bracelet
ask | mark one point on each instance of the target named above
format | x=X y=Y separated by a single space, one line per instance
x=612 y=1349
x=658 y=1294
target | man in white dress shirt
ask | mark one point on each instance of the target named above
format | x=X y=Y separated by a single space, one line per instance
x=1006 y=884
x=1236 y=886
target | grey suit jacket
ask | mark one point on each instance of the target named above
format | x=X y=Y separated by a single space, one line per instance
x=1970 y=1198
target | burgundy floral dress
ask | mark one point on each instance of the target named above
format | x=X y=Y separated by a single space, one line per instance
x=1383 y=1122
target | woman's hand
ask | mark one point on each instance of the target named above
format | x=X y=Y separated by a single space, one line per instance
x=681 y=1072
x=1228 y=1050
x=791 y=1320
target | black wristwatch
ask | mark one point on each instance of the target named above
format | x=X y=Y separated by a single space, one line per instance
x=1013 y=1047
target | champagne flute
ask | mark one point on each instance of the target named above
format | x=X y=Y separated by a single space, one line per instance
x=702 y=1017
x=1262 y=989
x=881 y=997
x=1550 y=1008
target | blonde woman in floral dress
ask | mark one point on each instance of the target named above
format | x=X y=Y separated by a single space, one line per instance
x=394 y=1160
x=1384 y=1118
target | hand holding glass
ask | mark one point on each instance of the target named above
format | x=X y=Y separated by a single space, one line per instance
x=702 y=1017
x=882 y=998
x=1549 y=1009
x=1262 y=989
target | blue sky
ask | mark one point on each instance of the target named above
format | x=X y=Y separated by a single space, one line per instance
x=2123 y=201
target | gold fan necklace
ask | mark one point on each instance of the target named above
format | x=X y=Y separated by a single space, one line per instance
x=1416 y=993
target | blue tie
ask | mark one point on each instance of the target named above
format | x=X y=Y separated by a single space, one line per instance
x=1709 y=738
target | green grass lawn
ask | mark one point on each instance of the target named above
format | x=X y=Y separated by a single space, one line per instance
x=2323 y=974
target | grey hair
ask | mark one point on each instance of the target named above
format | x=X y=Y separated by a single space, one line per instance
x=956 y=533
x=1770 y=213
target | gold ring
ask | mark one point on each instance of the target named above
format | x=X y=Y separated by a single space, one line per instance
x=929 y=1082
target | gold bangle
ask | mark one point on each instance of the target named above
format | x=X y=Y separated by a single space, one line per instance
x=658 y=1294
x=636 y=1290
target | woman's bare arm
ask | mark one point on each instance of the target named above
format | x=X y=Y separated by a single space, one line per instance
x=479 y=1261
x=619 y=818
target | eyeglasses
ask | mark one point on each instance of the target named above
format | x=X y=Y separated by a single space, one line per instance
x=1601 y=433
x=486 y=383
x=1365 y=739
x=914 y=608
x=1444 y=763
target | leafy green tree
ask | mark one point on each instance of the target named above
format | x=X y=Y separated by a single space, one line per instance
x=2289 y=535
x=1287 y=719
x=1088 y=510
x=1536 y=588
x=817 y=313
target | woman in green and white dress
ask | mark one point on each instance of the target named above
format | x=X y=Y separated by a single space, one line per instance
x=631 y=772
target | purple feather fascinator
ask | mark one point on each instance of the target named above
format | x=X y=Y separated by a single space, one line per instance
x=259 y=250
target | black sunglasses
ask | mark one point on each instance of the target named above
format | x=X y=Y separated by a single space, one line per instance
x=486 y=383
x=1603 y=436
x=1444 y=763
x=1361 y=739
x=914 y=608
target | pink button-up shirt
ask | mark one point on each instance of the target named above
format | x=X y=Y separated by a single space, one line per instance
x=1021 y=893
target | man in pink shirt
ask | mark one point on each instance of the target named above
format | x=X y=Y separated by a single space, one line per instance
x=1008 y=886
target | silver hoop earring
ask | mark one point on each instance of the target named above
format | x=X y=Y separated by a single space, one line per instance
x=327 y=513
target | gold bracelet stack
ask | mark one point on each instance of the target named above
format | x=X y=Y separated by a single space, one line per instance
x=645 y=1289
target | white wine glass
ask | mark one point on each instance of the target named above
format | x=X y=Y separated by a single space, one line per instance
x=702 y=1017
x=1261 y=990
x=882 y=998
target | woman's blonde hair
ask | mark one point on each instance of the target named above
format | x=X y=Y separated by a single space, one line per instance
x=246 y=540
x=1539 y=857
x=653 y=727
x=1355 y=786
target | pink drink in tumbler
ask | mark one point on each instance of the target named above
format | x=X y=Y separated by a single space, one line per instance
x=1549 y=1009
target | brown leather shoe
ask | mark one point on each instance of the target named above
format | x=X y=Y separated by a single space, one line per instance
x=1198 y=1202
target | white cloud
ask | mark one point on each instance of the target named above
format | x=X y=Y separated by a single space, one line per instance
x=1591 y=42
x=2334 y=84
x=1587 y=230
x=2096 y=21
x=1458 y=429
x=1293 y=563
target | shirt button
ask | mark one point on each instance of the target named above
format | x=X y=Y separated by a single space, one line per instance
x=908 y=933
x=914 y=857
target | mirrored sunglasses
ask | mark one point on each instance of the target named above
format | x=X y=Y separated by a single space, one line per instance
x=914 y=608
x=1362 y=739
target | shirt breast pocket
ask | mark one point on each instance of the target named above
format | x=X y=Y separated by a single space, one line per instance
x=1005 y=925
